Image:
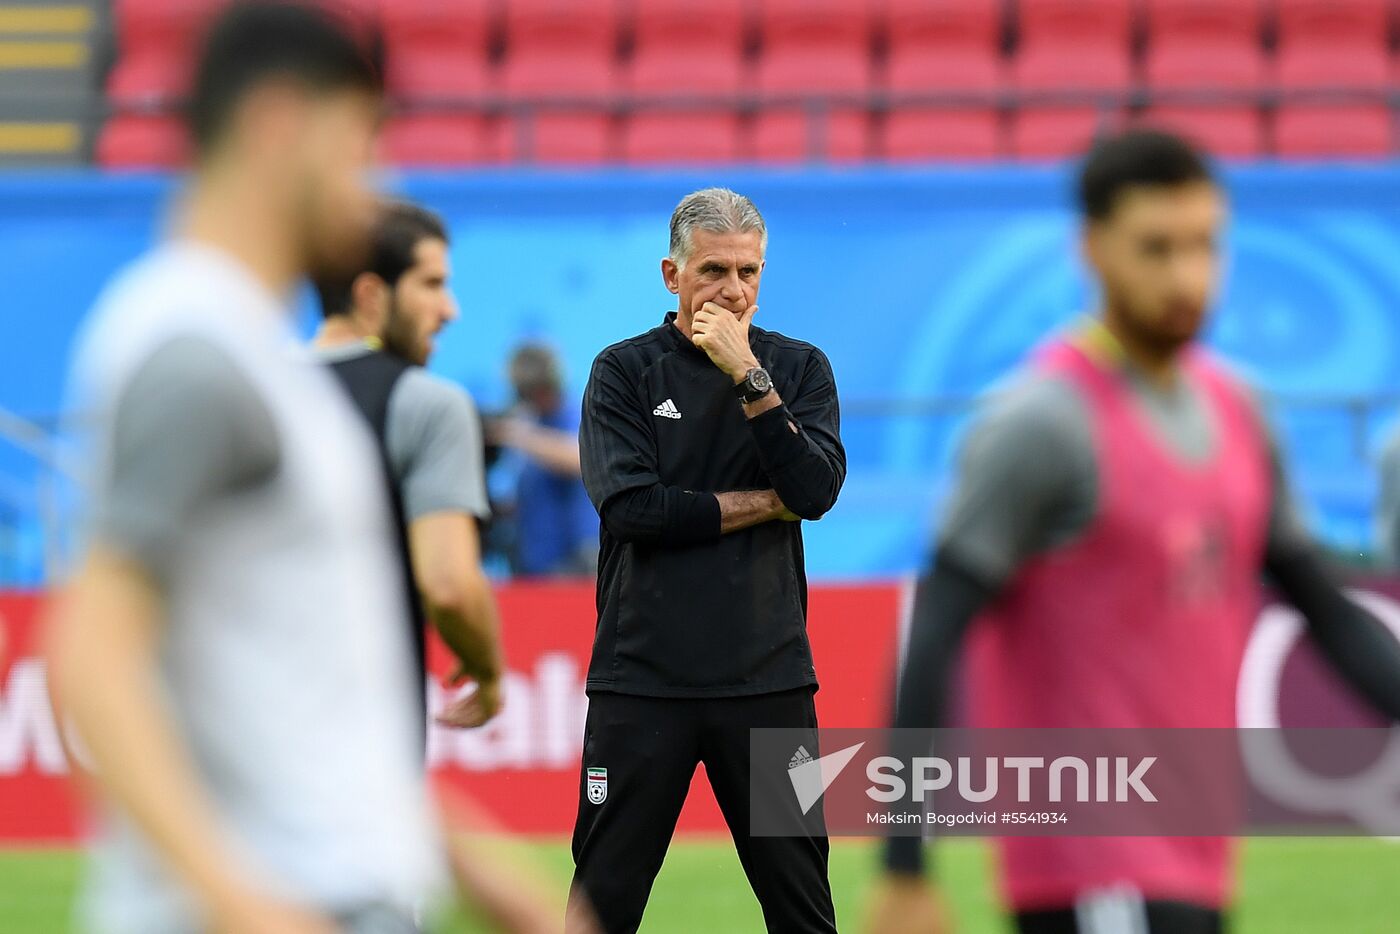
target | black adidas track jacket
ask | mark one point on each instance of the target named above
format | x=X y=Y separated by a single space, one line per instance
x=684 y=611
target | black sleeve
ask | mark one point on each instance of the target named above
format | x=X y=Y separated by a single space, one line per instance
x=799 y=443
x=948 y=598
x=1358 y=646
x=618 y=453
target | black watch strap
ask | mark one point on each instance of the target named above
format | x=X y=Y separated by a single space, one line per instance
x=754 y=386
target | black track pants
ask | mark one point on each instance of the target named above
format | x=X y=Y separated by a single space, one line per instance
x=649 y=748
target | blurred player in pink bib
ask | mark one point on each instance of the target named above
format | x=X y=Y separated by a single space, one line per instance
x=1115 y=507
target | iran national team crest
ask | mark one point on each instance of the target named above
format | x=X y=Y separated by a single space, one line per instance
x=597 y=785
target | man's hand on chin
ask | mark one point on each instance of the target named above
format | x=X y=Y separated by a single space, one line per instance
x=724 y=336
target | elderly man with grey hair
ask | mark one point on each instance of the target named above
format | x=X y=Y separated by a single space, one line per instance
x=705 y=443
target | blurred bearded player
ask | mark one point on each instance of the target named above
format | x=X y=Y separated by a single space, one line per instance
x=377 y=337
x=1117 y=504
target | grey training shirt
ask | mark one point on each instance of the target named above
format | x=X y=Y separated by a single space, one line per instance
x=228 y=464
x=1028 y=477
x=188 y=430
x=434 y=440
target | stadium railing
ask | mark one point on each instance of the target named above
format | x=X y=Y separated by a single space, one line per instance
x=1111 y=106
x=1339 y=496
x=33 y=531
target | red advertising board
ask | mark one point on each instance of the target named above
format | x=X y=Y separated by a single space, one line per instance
x=37 y=803
x=522 y=770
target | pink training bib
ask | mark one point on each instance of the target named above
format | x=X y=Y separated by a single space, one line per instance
x=1139 y=622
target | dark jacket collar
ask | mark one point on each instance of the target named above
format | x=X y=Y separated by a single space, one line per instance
x=675 y=339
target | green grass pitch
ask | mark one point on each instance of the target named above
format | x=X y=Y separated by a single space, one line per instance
x=1288 y=886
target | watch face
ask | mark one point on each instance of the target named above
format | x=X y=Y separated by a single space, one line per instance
x=760 y=380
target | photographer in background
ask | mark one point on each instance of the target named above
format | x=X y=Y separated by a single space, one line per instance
x=555 y=528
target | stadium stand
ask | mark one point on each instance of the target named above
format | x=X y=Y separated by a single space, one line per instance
x=564 y=53
x=683 y=81
x=813 y=47
x=1339 y=46
x=1079 y=47
x=441 y=139
x=439 y=51
x=944 y=47
x=687 y=46
x=1333 y=43
x=48 y=66
x=1208 y=48
x=1228 y=131
x=682 y=137
x=685 y=49
x=438 y=47
x=155 y=39
x=1204 y=44
x=1331 y=131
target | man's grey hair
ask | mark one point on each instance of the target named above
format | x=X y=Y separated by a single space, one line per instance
x=717 y=210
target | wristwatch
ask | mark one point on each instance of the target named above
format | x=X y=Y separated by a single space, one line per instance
x=754 y=386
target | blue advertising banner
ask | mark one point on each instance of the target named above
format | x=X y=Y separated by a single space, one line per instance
x=921 y=286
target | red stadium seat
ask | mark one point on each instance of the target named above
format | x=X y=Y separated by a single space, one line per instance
x=1334 y=131
x=814 y=46
x=687 y=46
x=156 y=43
x=671 y=71
x=1194 y=44
x=1074 y=44
x=139 y=141
x=943 y=47
x=437 y=47
x=1229 y=132
x=923 y=133
x=1332 y=43
x=1057 y=132
x=681 y=138
x=1069 y=46
x=943 y=44
x=560 y=47
x=440 y=139
x=559 y=138
x=583 y=72
x=784 y=135
x=157 y=39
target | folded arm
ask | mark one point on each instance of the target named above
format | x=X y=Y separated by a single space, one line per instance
x=618 y=452
x=799 y=441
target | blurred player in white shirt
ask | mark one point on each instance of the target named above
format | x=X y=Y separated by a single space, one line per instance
x=231 y=649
